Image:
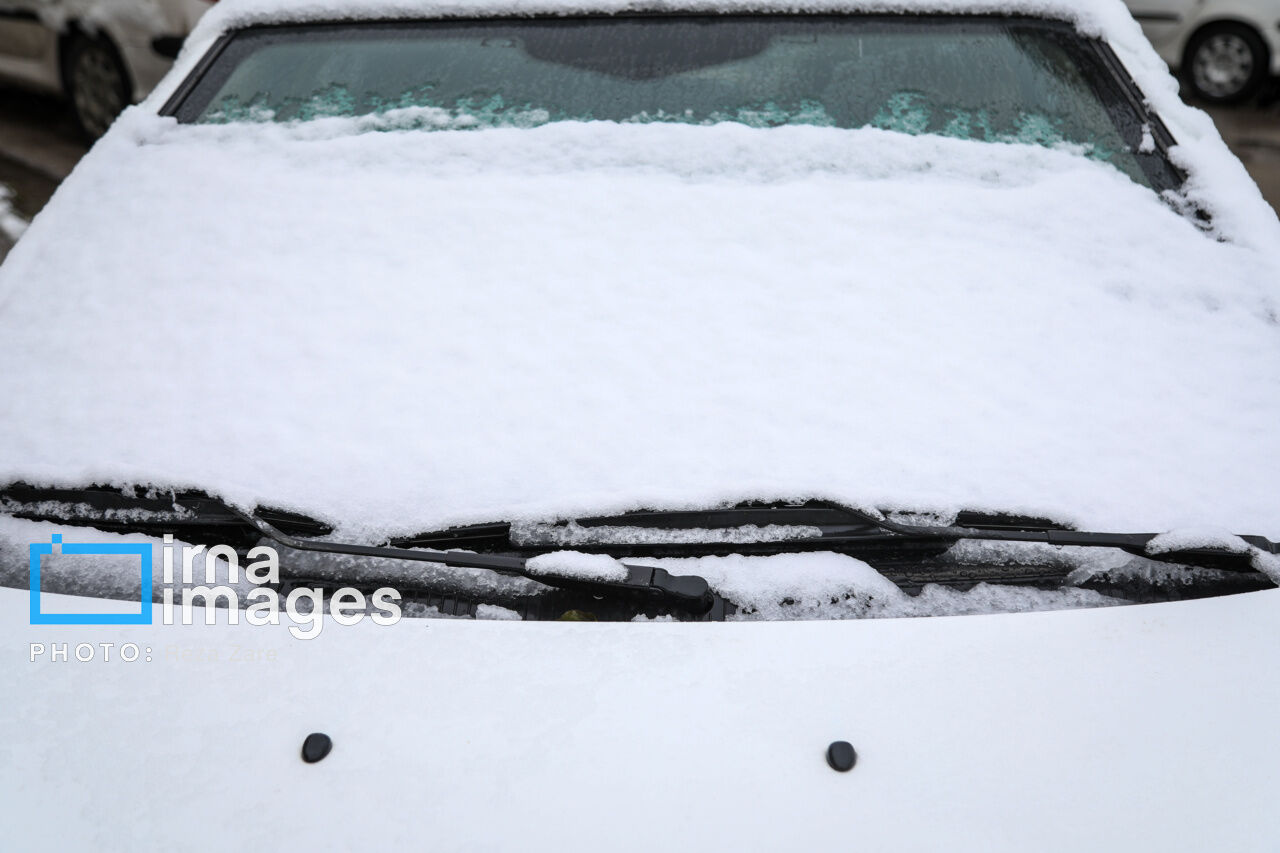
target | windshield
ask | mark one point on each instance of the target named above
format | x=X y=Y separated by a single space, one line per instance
x=991 y=80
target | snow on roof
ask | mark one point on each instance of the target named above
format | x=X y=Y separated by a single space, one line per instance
x=400 y=331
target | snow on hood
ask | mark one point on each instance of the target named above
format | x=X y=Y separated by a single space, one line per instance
x=397 y=331
x=1118 y=729
x=1126 y=728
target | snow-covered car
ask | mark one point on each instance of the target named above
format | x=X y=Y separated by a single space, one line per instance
x=1226 y=49
x=713 y=425
x=101 y=54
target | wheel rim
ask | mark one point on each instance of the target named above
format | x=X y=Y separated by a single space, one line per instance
x=1223 y=65
x=97 y=89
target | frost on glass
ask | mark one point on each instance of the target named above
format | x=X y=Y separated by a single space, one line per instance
x=911 y=112
x=231 y=108
x=774 y=115
x=415 y=110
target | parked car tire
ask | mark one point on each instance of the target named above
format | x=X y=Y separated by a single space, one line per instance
x=1225 y=63
x=97 y=84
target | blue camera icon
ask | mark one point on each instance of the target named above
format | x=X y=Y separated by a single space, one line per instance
x=38 y=549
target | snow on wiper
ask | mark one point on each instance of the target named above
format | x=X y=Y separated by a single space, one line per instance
x=912 y=551
x=877 y=538
x=1223 y=551
x=184 y=513
x=657 y=586
x=571 y=534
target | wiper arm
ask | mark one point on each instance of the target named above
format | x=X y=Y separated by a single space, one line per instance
x=188 y=512
x=658 y=586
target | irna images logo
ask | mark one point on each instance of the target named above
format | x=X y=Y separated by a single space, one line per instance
x=258 y=597
x=39 y=549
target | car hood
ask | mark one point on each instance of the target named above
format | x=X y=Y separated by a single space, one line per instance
x=400 y=330
x=1144 y=727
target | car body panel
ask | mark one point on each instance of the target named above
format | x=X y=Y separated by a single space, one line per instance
x=1144 y=727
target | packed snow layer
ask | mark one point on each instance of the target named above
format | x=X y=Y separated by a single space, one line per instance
x=1215 y=539
x=575 y=564
x=401 y=331
x=835 y=586
x=494 y=612
x=534 y=533
x=1217 y=182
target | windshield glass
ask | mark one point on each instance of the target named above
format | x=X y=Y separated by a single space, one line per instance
x=981 y=79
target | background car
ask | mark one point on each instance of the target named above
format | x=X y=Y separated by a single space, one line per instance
x=101 y=55
x=1225 y=49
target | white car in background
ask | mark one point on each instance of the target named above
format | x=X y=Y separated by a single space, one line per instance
x=664 y=361
x=1226 y=50
x=102 y=54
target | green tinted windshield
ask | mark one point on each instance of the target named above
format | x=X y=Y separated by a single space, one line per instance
x=983 y=79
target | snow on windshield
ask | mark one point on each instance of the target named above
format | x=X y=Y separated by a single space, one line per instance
x=1217 y=182
x=398 y=332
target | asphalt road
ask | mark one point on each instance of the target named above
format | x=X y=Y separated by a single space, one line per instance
x=39 y=145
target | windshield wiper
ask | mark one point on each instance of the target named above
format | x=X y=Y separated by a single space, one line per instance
x=902 y=549
x=655 y=585
x=815 y=526
x=186 y=513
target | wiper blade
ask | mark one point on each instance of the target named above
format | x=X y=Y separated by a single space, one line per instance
x=1132 y=543
x=187 y=512
x=816 y=526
